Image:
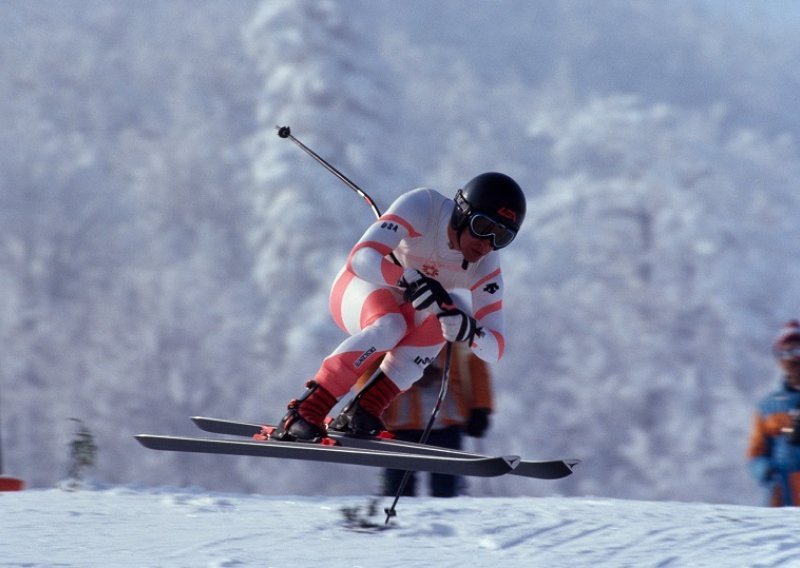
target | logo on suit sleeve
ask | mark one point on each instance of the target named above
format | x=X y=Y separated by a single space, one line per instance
x=491 y=287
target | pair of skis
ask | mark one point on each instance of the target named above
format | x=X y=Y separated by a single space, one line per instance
x=372 y=452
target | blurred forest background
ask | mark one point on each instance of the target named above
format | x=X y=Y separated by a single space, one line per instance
x=164 y=254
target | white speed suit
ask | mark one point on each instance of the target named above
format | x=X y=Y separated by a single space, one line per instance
x=368 y=304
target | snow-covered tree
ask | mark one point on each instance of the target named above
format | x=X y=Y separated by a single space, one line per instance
x=321 y=76
x=123 y=275
x=653 y=267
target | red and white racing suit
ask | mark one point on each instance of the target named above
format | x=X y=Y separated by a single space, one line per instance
x=368 y=304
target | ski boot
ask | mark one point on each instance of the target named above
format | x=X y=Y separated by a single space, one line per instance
x=305 y=421
x=361 y=416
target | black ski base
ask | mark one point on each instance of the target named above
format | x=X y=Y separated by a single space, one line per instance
x=482 y=466
x=550 y=469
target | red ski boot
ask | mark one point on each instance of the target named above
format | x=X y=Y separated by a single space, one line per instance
x=362 y=415
x=305 y=421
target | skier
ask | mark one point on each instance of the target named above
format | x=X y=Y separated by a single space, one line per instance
x=392 y=297
x=774 y=450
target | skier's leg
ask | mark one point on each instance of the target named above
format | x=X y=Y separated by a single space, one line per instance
x=403 y=365
x=379 y=326
x=407 y=360
x=362 y=415
x=340 y=370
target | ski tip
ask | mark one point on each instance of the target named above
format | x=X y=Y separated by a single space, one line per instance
x=150 y=441
x=142 y=439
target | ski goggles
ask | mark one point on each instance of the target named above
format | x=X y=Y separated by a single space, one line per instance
x=484 y=227
x=788 y=354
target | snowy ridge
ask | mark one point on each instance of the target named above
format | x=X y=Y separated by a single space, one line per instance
x=165 y=527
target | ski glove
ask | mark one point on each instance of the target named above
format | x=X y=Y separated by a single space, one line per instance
x=423 y=291
x=478 y=422
x=457 y=326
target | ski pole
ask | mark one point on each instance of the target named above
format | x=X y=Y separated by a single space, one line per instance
x=286 y=132
x=390 y=511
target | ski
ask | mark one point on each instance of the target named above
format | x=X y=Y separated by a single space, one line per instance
x=552 y=469
x=479 y=466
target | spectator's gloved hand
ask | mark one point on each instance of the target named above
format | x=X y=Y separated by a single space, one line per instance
x=423 y=291
x=457 y=325
x=478 y=422
x=794 y=435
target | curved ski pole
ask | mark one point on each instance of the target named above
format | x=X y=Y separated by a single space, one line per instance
x=286 y=132
x=390 y=511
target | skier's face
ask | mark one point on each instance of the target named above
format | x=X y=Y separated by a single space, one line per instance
x=474 y=248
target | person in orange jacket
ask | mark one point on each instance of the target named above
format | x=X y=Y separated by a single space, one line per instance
x=774 y=449
x=465 y=410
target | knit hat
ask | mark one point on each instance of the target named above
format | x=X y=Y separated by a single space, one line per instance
x=788 y=336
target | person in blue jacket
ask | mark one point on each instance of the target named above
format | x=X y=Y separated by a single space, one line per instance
x=774 y=449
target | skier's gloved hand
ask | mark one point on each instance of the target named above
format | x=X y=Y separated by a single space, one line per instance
x=478 y=422
x=423 y=291
x=457 y=325
x=410 y=277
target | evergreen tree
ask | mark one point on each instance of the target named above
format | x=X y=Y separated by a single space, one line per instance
x=321 y=75
x=82 y=453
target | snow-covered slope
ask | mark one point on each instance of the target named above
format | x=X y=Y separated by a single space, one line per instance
x=119 y=527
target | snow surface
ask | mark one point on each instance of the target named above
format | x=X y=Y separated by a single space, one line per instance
x=125 y=526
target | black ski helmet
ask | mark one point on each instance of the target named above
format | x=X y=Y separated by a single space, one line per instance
x=495 y=195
